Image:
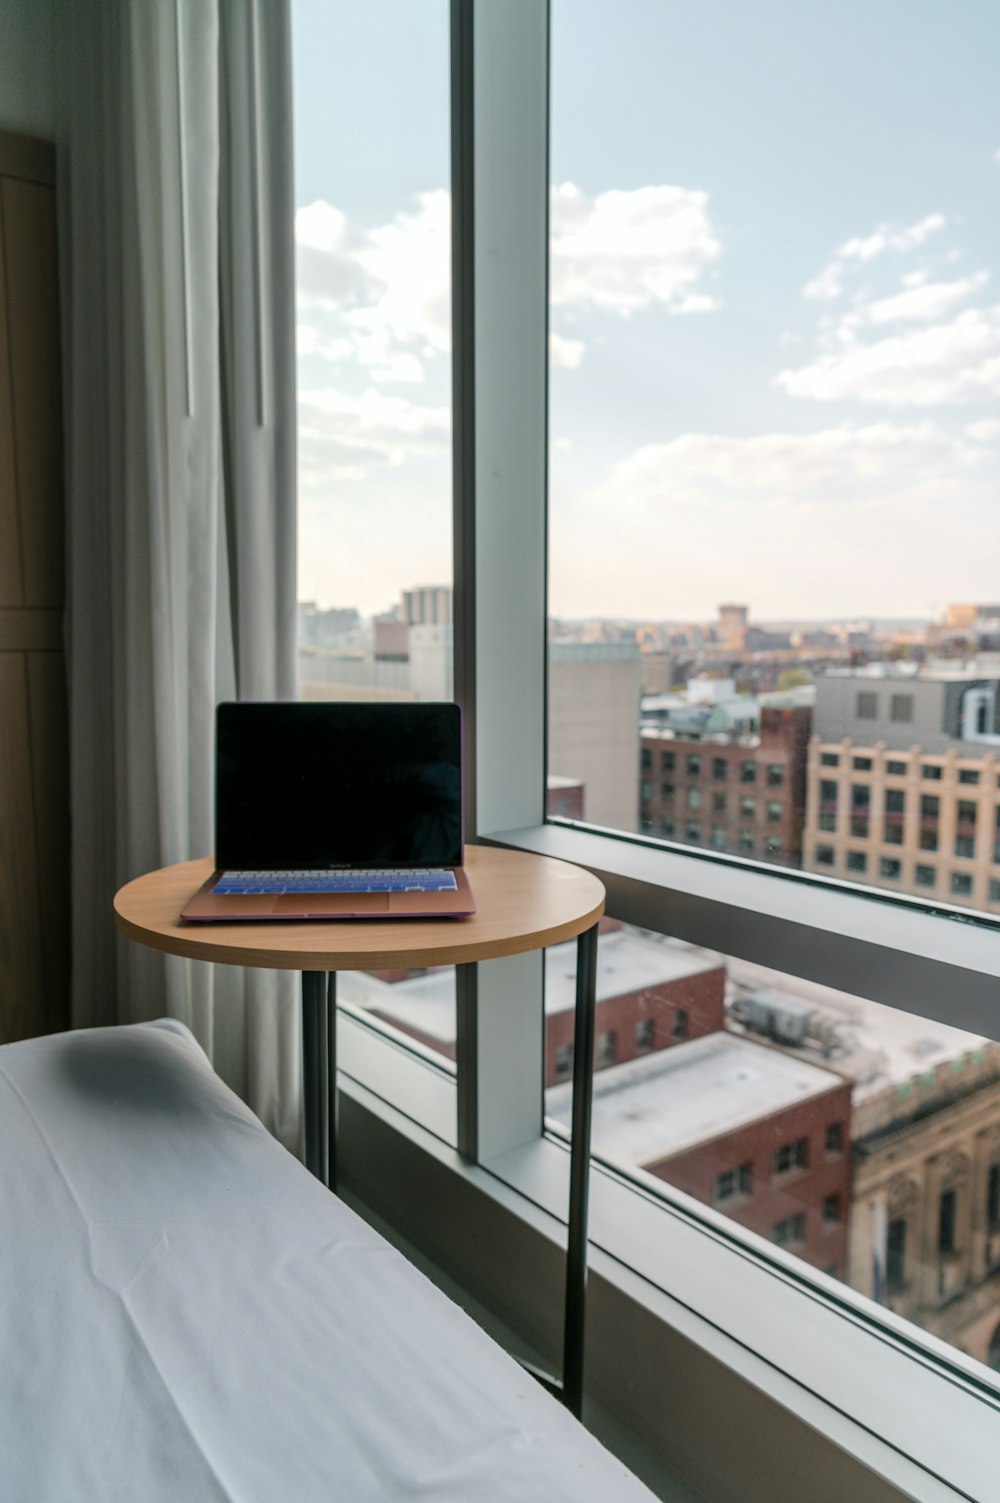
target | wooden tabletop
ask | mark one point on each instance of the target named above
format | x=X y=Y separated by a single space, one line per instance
x=525 y=902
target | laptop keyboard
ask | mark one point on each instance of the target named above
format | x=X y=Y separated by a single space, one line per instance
x=381 y=880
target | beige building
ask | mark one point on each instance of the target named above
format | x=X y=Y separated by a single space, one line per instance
x=594 y=726
x=925 y=1215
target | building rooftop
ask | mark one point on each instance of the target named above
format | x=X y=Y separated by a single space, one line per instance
x=652 y=1108
x=627 y=961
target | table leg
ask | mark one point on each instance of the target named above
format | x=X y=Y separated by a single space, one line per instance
x=332 y=1094
x=583 y=1092
x=316 y=1073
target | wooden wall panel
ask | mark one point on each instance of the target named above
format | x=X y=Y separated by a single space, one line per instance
x=34 y=746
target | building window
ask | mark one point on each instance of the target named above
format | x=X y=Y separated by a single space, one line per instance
x=857 y=861
x=832 y=1213
x=720 y=769
x=896 y=769
x=828 y=792
x=607 y=1049
x=774 y=813
x=824 y=855
x=996 y=838
x=791 y=1232
x=644 y=1035
x=994 y=890
x=679 y=1028
x=968 y=775
x=924 y=876
x=775 y=774
x=895 y=1255
x=901 y=707
x=862 y=764
x=748 y=772
x=693 y=765
x=666 y=761
x=564 y=1061
x=645 y=791
x=646 y=758
x=719 y=837
x=834 y=1139
x=772 y=848
x=932 y=771
x=895 y=801
x=993 y=1197
x=965 y=841
x=828 y=822
x=961 y=885
x=930 y=807
x=732 y=1183
x=860 y=808
x=829 y=759
x=667 y=827
x=693 y=831
x=667 y=794
x=694 y=798
x=748 y=807
x=719 y=803
x=746 y=843
x=790 y=1156
x=866 y=706
x=890 y=868
x=946 y=1221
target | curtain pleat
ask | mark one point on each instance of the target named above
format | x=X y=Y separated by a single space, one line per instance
x=178 y=310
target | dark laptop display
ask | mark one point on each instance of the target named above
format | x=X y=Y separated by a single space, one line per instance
x=320 y=785
x=336 y=810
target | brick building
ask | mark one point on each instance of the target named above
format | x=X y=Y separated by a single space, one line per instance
x=761 y=1136
x=739 y=793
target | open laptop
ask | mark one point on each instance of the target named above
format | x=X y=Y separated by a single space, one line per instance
x=336 y=810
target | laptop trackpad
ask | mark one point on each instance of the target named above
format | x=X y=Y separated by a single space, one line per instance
x=319 y=905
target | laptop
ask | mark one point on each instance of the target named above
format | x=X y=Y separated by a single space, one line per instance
x=334 y=810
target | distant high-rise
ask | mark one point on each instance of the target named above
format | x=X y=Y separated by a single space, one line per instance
x=733 y=623
x=427 y=605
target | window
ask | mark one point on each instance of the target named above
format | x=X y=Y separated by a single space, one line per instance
x=860 y=808
x=965 y=840
x=791 y=1232
x=946 y=1221
x=896 y=769
x=646 y=758
x=732 y=1183
x=828 y=792
x=748 y=772
x=834 y=1139
x=866 y=706
x=693 y=765
x=968 y=775
x=645 y=790
x=563 y=1061
x=924 y=876
x=748 y=807
x=775 y=774
x=890 y=868
x=719 y=803
x=693 y=831
x=694 y=798
x=667 y=828
x=828 y=823
x=994 y=890
x=829 y=759
x=666 y=761
x=929 y=809
x=824 y=855
x=901 y=707
x=667 y=794
x=895 y=806
x=961 y=885
x=993 y=1197
x=790 y=1156
x=772 y=848
x=774 y=812
x=719 y=837
x=932 y=771
x=895 y=801
x=832 y=1210
x=720 y=769
x=607 y=1049
x=862 y=764
x=644 y=1035
x=857 y=861
x=680 y=1023
x=895 y=1259
x=746 y=842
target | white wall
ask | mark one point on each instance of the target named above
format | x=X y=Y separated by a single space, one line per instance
x=27 y=95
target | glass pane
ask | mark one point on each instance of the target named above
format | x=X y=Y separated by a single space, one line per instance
x=863 y=1140
x=372 y=228
x=775 y=359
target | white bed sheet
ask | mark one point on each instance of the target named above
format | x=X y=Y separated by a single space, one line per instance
x=187 y=1315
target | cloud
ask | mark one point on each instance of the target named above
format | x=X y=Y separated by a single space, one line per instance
x=958 y=361
x=860 y=249
x=848 y=465
x=924 y=301
x=625 y=250
x=566 y=352
x=342 y=436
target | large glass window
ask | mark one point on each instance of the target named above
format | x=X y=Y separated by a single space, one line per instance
x=774 y=345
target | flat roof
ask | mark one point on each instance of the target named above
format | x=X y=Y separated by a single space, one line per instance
x=670 y=1101
x=627 y=961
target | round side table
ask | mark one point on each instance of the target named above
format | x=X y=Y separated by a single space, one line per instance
x=524 y=902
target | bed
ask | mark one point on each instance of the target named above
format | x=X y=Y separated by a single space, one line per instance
x=186 y=1314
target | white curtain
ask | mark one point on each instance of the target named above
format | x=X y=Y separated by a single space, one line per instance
x=176 y=239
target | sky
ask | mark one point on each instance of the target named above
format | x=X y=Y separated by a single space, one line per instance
x=775 y=320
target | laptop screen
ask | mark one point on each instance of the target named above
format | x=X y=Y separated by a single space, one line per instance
x=307 y=786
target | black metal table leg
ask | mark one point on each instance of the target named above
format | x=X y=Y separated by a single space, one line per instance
x=583 y=1094
x=316 y=1074
x=331 y=1056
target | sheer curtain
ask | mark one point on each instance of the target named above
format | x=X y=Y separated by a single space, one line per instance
x=176 y=239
